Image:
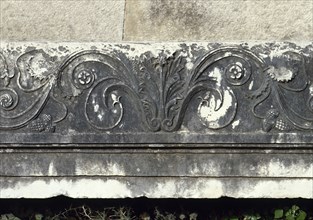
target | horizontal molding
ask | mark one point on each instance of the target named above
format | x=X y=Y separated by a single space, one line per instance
x=157 y=163
x=161 y=120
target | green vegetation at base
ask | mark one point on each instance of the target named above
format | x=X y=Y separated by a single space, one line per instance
x=125 y=213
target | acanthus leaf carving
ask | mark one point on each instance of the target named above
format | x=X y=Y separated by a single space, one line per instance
x=162 y=88
x=158 y=89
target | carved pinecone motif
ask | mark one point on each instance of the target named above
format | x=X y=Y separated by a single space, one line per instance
x=42 y=124
x=282 y=125
x=273 y=120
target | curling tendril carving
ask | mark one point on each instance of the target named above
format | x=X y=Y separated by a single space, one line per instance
x=160 y=89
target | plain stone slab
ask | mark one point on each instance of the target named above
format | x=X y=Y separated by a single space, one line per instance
x=159 y=173
x=159 y=20
x=64 y=20
x=236 y=163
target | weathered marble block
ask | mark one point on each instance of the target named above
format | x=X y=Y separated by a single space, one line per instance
x=193 y=120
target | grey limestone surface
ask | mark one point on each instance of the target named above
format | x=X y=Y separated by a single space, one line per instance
x=166 y=120
x=156 y=20
x=218 y=20
x=161 y=120
x=156 y=173
x=61 y=20
x=158 y=93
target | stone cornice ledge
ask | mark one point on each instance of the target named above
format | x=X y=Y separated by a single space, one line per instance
x=162 y=120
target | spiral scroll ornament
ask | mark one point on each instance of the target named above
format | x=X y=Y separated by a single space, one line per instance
x=8 y=99
x=158 y=91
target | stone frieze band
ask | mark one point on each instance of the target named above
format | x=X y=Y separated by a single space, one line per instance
x=200 y=90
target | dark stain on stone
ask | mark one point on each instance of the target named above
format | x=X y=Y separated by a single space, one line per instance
x=186 y=14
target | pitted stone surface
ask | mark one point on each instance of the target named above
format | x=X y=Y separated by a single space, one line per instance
x=218 y=20
x=156 y=20
x=62 y=20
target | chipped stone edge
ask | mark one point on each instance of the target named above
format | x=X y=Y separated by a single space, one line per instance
x=158 y=187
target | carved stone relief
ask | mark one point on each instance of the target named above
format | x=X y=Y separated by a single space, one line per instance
x=195 y=89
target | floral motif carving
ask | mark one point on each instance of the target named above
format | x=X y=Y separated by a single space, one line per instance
x=162 y=88
x=288 y=78
x=157 y=89
x=24 y=100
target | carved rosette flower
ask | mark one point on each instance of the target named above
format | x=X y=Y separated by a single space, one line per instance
x=37 y=69
x=287 y=68
x=237 y=73
x=281 y=74
x=159 y=90
x=84 y=78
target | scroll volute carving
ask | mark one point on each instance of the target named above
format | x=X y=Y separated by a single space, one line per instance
x=25 y=91
x=154 y=92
